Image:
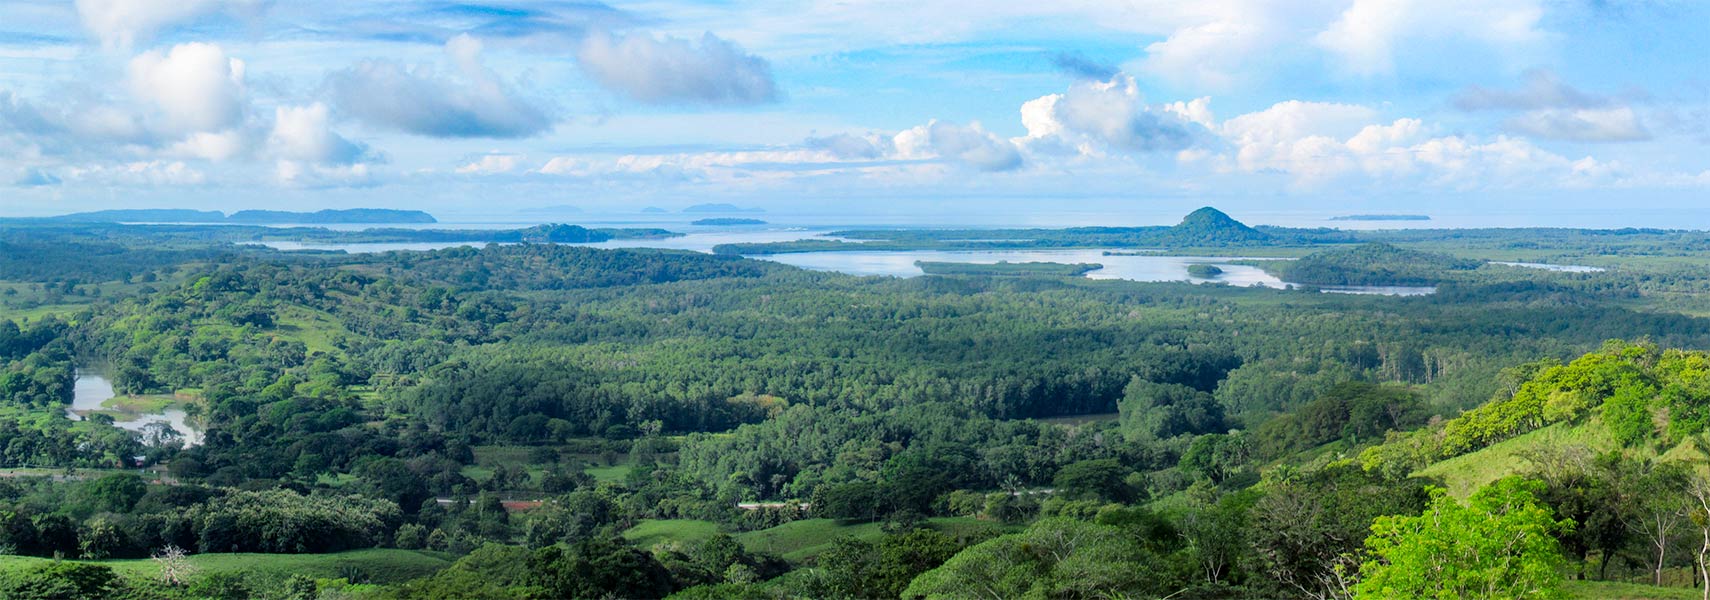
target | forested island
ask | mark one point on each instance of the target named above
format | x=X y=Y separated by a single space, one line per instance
x=1007 y=269
x=1204 y=271
x=1374 y=263
x=538 y=420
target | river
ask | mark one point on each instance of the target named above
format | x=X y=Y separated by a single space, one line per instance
x=91 y=393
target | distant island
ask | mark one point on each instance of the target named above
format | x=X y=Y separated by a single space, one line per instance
x=720 y=208
x=727 y=221
x=1382 y=218
x=249 y=217
x=1372 y=263
x=1203 y=271
x=1008 y=269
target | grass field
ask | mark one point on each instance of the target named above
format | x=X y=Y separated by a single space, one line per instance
x=617 y=472
x=487 y=457
x=654 y=531
x=802 y=540
x=795 y=541
x=314 y=328
x=1609 y=590
x=126 y=406
x=368 y=566
x=31 y=314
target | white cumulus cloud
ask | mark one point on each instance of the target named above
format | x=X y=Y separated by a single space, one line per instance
x=1096 y=114
x=302 y=133
x=421 y=101
x=489 y=164
x=969 y=144
x=673 y=70
x=193 y=87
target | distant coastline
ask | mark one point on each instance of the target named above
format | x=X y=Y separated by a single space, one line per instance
x=250 y=217
x=721 y=221
x=721 y=208
x=1382 y=218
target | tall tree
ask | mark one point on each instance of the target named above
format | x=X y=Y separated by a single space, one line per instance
x=1500 y=545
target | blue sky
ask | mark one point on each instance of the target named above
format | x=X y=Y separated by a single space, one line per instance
x=847 y=106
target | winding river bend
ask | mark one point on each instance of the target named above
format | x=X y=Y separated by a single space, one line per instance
x=92 y=392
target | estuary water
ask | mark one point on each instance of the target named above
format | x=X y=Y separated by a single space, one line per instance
x=1557 y=268
x=901 y=263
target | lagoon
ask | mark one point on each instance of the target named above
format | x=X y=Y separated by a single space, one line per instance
x=91 y=393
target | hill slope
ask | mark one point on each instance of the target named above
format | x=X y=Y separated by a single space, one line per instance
x=1211 y=227
x=1638 y=399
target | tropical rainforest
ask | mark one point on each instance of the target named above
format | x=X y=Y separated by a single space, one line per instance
x=534 y=419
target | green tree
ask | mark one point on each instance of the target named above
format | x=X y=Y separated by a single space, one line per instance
x=596 y=569
x=61 y=580
x=859 y=569
x=1500 y=545
x=1054 y=558
x=1102 y=479
x=116 y=493
x=1217 y=456
x=1308 y=527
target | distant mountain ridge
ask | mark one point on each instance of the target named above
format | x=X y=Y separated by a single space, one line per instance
x=144 y=215
x=249 y=217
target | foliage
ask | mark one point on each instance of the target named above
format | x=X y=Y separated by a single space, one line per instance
x=283 y=521
x=1500 y=545
x=1053 y=558
x=1374 y=263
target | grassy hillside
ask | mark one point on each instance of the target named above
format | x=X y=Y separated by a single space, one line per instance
x=795 y=541
x=651 y=532
x=801 y=540
x=1465 y=474
x=1610 y=590
x=1636 y=398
